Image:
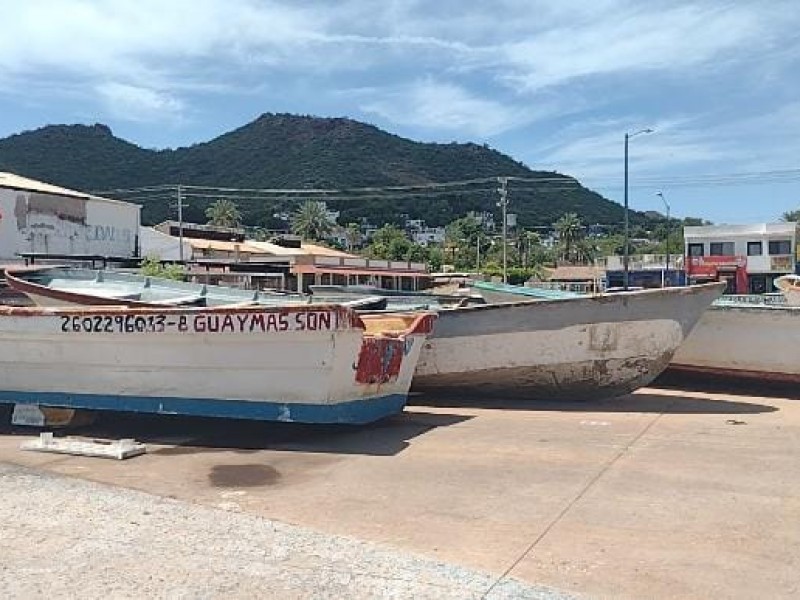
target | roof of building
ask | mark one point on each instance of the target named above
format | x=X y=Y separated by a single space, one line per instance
x=17 y=182
x=576 y=273
x=715 y=231
x=222 y=246
x=303 y=250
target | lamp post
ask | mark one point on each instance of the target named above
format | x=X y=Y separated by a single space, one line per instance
x=666 y=204
x=625 y=256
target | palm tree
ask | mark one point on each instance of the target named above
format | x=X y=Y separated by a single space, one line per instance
x=353 y=235
x=530 y=239
x=585 y=252
x=223 y=213
x=791 y=215
x=570 y=232
x=311 y=221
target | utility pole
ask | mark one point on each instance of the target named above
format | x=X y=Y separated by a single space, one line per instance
x=180 y=222
x=669 y=224
x=625 y=253
x=503 y=191
x=478 y=259
x=626 y=241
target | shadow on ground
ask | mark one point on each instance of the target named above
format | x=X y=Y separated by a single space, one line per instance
x=720 y=384
x=632 y=403
x=191 y=435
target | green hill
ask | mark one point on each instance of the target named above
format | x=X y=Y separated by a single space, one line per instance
x=288 y=151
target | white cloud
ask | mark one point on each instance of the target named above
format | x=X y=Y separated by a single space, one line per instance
x=161 y=56
x=445 y=106
x=133 y=103
x=634 y=41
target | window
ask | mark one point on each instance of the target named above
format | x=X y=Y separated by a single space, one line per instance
x=695 y=249
x=780 y=246
x=754 y=249
x=721 y=249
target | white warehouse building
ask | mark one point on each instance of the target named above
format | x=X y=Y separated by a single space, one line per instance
x=39 y=219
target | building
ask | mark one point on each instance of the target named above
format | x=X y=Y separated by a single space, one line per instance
x=576 y=278
x=420 y=233
x=285 y=262
x=40 y=221
x=748 y=257
x=644 y=270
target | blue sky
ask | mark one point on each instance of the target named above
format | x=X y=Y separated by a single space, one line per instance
x=554 y=84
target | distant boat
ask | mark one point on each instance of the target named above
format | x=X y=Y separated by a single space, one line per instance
x=495 y=293
x=789 y=285
x=571 y=348
x=67 y=286
x=312 y=364
x=751 y=337
x=398 y=298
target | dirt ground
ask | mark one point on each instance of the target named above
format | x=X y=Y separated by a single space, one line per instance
x=665 y=493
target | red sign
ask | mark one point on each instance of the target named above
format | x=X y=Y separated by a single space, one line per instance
x=710 y=265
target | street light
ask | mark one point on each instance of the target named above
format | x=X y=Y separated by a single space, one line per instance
x=625 y=257
x=666 y=204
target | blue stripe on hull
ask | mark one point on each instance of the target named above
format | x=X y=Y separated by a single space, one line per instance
x=355 y=411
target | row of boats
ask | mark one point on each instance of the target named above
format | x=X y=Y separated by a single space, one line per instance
x=122 y=341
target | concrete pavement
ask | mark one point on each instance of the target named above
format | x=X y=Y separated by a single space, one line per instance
x=661 y=494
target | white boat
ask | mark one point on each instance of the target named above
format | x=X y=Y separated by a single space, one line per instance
x=497 y=293
x=789 y=285
x=320 y=364
x=572 y=348
x=70 y=286
x=754 y=338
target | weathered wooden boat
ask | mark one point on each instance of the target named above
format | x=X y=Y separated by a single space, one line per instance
x=746 y=338
x=496 y=293
x=68 y=286
x=789 y=285
x=398 y=298
x=313 y=364
x=573 y=348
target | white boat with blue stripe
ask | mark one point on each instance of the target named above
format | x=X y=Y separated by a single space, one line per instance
x=312 y=364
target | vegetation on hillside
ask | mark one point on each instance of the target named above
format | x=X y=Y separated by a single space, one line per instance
x=286 y=151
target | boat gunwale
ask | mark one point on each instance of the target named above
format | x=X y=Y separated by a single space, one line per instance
x=689 y=290
x=421 y=323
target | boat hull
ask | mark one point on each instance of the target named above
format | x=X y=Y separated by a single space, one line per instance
x=294 y=364
x=578 y=349
x=748 y=342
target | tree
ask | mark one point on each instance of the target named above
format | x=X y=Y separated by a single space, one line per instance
x=463 y=236
x=391 y=243
x=353 y=235
x=570 y=231
x=791 y=215
x=151 y=266
x=311 y=221
x=223 y=213
x=584 y=251
x=533 y=252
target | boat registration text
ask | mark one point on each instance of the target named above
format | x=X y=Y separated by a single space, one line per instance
x=254 y=322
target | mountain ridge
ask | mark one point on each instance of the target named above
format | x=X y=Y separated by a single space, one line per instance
x=292 y=151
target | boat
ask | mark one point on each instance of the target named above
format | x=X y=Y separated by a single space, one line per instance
x=398 y=298
x=743 y=337
x=311 y=364
x=69 y=286
x=496 y=293
x=567 y=348
x=789 y=285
